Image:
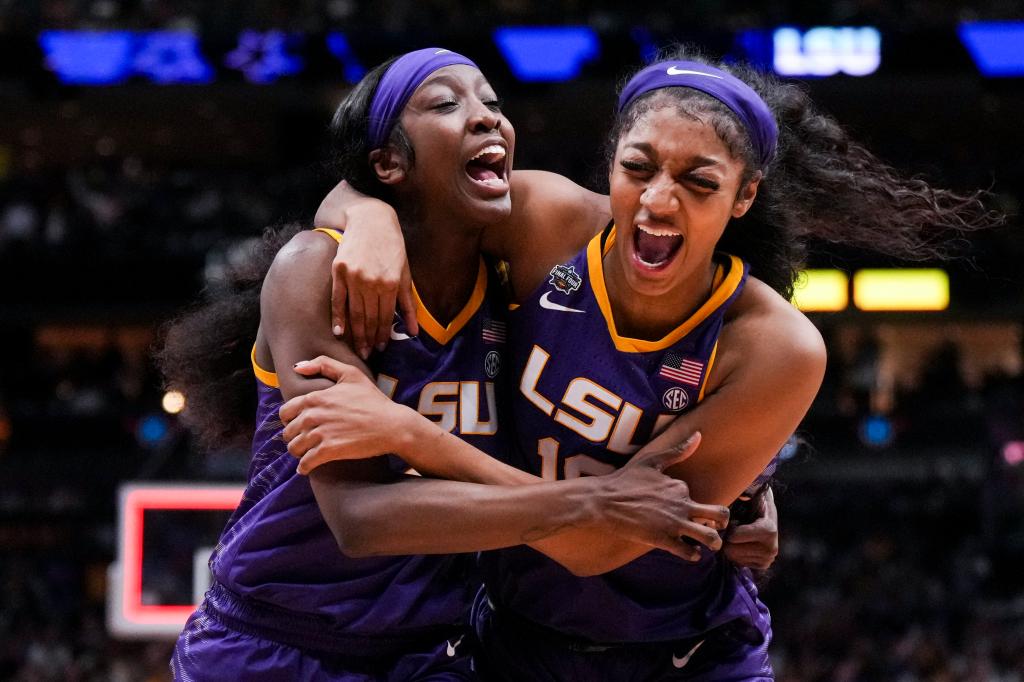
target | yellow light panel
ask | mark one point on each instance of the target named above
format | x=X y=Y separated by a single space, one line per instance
x=903 y=290
x=822 y=291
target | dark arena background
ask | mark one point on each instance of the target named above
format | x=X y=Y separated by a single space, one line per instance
x=145 y=143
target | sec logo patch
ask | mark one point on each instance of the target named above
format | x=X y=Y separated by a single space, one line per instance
x=675 y=399
x=492 y=364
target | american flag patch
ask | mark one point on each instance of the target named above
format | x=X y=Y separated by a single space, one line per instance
x=494 y=331
x=680 y=369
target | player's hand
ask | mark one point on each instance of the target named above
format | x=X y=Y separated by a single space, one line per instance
x=756 y=545
x=639 y=502
x=370 y=273
x=350 y=420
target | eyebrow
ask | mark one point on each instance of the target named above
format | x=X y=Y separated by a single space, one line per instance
x=452 y=82
x=696 y=161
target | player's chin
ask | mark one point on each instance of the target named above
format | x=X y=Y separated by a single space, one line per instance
x=489 y=209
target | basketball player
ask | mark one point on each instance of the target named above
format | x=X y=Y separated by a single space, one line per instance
x=285 y=603
x=601 y=355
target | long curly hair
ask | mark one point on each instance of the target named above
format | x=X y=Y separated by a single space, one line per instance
x=205 y=351
x=821 y=185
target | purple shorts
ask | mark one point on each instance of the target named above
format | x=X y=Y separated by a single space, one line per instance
x=512 y=651
x=216 y=645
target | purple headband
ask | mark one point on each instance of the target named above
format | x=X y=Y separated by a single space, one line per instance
x=726 y=88
x=399 y=82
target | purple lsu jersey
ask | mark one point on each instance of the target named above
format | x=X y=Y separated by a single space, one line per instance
x=587 y=399
x=277 y=549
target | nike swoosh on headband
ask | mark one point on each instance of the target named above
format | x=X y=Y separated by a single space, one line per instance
x=673 y=71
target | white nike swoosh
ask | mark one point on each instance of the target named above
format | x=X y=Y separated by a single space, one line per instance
x=545 y=303
x=451 y=647
x=398 y=336
x=673 y=71
x=680 y=662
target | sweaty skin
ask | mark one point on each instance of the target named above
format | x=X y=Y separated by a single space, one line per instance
x=766 y=343
x=369 y=509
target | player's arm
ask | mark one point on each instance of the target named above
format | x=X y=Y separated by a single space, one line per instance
x=770 y=364
x=372 y=511
x=352 y=419
x=552 y=218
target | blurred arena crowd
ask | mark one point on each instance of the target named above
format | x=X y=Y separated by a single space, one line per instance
x=902 y=515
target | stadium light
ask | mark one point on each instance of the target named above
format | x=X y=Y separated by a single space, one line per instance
x=547 y=53
x=173 y=402
x=827 y=50
x=901 y=290
x=1013 y=452
x=88 y=57
x=822 y=291
x=995 y=46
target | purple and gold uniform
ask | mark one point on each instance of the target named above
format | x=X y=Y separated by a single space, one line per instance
x=587 y=399
x=286 y=603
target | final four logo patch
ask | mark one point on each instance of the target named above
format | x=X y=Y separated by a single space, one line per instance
x=565 y=279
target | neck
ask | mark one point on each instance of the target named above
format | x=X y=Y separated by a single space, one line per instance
x=650 y=318
x=444 y=258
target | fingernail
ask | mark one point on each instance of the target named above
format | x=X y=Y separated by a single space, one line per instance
x=337 y=330
x=301 y=363
x=364 y=352
x=381 y=346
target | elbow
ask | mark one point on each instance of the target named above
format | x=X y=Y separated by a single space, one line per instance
x=354 y=546
x=353 y=534
x=586 y=568
x=585 y=571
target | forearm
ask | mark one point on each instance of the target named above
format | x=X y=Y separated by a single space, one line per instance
x=584 y=551
x=435 y=452
x=342 y=202
x=415 y=515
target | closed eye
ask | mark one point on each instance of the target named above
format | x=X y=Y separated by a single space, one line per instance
x=704 y=183
x=636 y=166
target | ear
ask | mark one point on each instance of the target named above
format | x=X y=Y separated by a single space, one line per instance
x=389 y=166
x=746 y=196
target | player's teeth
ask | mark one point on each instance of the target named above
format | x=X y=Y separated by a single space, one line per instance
x=657 y=232
x=493 y=149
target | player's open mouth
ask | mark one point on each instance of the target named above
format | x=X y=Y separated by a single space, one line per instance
x=487 y=168
x=655 y=247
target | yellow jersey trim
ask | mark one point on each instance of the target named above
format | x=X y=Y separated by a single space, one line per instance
x=444 y=334
x=333 y=234
x=707 y=373
x=428 y=323
x=265 y=377
x=719 y=294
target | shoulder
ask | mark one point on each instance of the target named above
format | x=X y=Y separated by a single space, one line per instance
x=766 y=333
x=533 y=189
x=552 y=219
x=304 y=247
x=299 y=277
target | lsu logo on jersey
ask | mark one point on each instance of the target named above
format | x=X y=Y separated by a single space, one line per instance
x=565 y=278
x=606 y=417
x=453 y=404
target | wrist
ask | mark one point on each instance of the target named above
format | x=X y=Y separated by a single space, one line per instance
x=410 y=432
x=369 y=211
x=588 y=500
